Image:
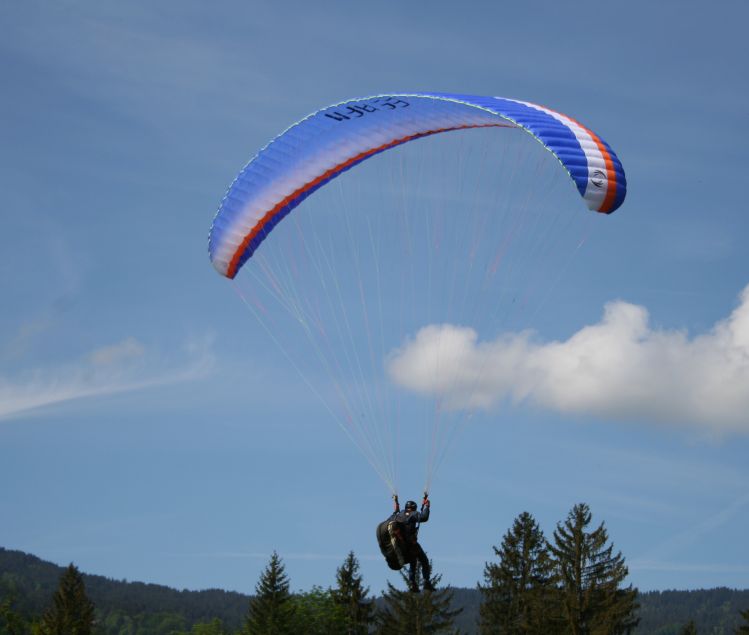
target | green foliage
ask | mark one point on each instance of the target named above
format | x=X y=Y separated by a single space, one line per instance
x=214 y=627
x=122 y=608
x=743 y=629
x=519 y=593
x=407 y=613
x=134 y=608
x=118 y=623
x=351 y=596
x=590 y=577
x=714 y=611
x=71 y=613
x=690 y=628
x=317 y=613
x=271 y=611
x=11 y=622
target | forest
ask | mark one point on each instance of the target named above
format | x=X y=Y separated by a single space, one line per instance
x=571 y=583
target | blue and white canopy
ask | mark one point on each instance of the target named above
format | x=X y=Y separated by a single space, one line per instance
x=328 y=142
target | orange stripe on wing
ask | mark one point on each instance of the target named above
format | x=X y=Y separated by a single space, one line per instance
x=234 y=263
x=611 y=184
x=608 y=200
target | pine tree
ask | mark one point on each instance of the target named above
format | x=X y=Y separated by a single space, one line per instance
x=590 y=577
x=407 y=613
x=71 y=613
x=271 y=610
x=519 y=593
x=351 y=595
x=743 y=629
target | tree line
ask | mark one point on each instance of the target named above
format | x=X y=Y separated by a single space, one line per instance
x=570 y=584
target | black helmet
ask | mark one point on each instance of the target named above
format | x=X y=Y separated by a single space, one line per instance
x=410 y=506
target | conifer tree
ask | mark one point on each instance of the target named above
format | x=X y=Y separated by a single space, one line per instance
x=408 y=613
x=351 y=595
x=71 y=613
x=743 y=629
x=519 y=593
x=590 y=578
x=271 y=610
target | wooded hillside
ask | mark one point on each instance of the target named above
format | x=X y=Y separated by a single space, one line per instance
x=149 y=609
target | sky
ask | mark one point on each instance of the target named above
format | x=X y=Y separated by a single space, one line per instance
x=149 y=430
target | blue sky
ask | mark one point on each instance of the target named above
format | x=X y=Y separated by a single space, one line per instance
x=149 y=430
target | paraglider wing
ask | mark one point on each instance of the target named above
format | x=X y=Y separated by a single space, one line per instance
x=323 y=145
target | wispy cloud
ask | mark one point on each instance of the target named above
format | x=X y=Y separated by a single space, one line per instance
x=620 y=368
x=59 y=291
x=124 y=366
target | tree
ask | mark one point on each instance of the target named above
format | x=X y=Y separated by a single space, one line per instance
x=317 y=613
x=590 y=577
x=408 y=613
x=71 y=613
x=351 y=596
x=519 y=593
x=271 y=610
x=214 y=627
x=11 y=623
x=690 y=628
x=743 y=629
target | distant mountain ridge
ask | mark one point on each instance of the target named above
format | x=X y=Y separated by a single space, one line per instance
x=152 y=609
x=33 y=581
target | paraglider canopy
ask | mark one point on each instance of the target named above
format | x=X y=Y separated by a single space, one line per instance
x=323 y=145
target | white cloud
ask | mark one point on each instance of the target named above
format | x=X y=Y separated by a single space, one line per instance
x=121 y=352
x=620 y=368
x=121 y=367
